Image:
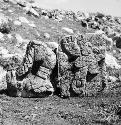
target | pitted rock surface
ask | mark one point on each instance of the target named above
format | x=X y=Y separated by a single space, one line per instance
x=82 y=64
x=34 y=72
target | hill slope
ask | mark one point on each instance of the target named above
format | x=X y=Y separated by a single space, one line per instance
x=19 y=25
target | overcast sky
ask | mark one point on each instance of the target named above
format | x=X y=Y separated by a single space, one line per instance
x=112 y=7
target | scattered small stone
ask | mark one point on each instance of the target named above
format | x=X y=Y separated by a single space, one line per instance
x=23 y=20
x=68 y=30
x=46 y=17
x=32 y=25
x=19 y=38
x=10 y=11
x=3 y=51
x=47 y=35
x=35 y=5
x=9 y=36
x=17 y=22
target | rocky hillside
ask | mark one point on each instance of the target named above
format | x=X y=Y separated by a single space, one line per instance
x=73 y=43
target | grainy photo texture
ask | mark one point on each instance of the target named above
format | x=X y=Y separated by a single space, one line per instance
x=60 y=62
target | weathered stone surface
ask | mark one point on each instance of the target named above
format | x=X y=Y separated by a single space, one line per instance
x=34 y=72
x=81 y=64
x=24 y=87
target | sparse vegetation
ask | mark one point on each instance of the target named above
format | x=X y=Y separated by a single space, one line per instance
x=47 y=26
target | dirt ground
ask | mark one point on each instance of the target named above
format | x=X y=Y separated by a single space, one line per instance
x=54 y=110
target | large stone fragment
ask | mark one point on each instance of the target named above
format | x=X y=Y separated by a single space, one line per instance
x=34 y=72
x=82 y=64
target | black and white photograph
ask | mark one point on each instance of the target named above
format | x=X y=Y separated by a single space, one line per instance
x=60 y=62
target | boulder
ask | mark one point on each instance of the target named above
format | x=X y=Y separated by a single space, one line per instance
x=33 y=74
x=81 y=65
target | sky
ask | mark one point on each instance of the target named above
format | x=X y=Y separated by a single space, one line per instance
x=112 y=7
